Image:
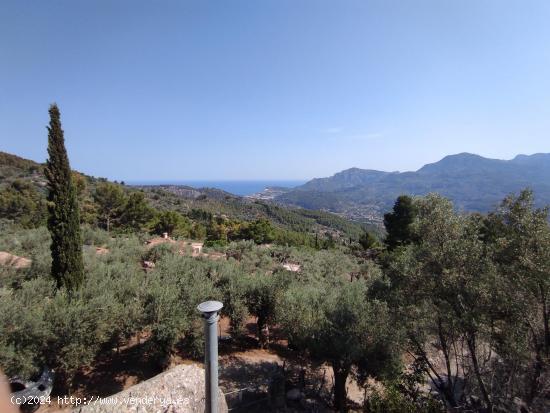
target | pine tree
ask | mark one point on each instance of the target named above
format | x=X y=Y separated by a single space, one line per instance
x=64 y=218
x=398 y=222
x=110 y=198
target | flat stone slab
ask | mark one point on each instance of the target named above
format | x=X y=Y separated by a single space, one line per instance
x=178 y=390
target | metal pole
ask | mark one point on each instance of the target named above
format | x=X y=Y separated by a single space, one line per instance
x=209 y=310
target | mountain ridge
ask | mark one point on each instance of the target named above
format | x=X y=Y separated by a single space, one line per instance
x=471 y=181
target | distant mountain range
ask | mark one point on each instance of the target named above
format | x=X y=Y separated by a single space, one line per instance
x=472 y=182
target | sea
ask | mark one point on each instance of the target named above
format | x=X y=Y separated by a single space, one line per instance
x=241 y=188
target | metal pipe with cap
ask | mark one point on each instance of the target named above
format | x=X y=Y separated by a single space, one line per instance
x=210 y=310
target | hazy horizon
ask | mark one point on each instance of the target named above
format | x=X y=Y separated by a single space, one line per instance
x=200 y=182
x=241 y=187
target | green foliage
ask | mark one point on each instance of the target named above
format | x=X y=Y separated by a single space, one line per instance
x=222 y=230
x=110 y=199
x=77 y=328
x=92 y=235
x=197 y=231
x=23 y=204
x=393 y=399
x=88 y=208
x=15 y=167
x=330 y=266
x=116 y=210
x=175 y=290
x=296 y=238
x=39 y=327
x=136 y=212
x=262 y=296
x=231 y=286
x=160 y=251
x=520 y=239
x=23 y=332
x=476 y=287
x=28 y=243
x=260 y=231
x=368 y=241
x=123 y=209
x=398 y=222
x=342 y=327
x=444 y=284
x=210 y=206
x=172 y=223
x=64 y=220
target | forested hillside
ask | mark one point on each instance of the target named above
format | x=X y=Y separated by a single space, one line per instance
x=202 y=213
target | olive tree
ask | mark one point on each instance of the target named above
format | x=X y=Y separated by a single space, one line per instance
x=519 y=233
x=262 y=295
x=340 y=326
x=449 y=294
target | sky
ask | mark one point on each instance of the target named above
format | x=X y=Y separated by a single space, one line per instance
x=273 y=89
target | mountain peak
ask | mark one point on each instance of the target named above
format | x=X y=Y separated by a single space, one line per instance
x=462 y=155
x=459 y=162
x=536 y=157
x=472 y=182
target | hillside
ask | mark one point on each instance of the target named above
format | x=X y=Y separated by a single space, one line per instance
x=214 y=201
x=13 y=167
x=472 y=182
x=191 y=202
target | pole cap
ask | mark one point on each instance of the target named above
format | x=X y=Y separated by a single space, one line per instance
x=209 y=307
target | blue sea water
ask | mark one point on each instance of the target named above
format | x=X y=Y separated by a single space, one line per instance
x=241 y=188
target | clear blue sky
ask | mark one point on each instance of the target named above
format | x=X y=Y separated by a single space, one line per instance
x=276 y=89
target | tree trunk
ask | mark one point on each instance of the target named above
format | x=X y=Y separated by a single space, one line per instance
x=545 y=321
x=340 y=393
x=444 y=388
x=446 y=353
x=473 y=355
x=537 y=370
x=263 y=332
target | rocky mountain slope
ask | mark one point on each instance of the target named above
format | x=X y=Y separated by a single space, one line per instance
x=472 y=182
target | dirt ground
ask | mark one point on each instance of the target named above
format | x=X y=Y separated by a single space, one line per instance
x=245 y=371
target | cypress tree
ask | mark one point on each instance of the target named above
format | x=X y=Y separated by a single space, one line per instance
x=64 y=218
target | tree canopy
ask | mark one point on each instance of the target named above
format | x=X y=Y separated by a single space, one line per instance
x=64 y=216
x=398 y=222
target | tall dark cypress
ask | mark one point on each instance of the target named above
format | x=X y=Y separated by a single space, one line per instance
x=64 y=217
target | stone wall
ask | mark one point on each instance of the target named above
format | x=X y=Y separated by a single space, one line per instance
x=178 y=390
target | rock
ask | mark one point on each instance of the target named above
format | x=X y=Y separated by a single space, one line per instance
x=10 y=260
x=292 y=266
x=178 y=390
